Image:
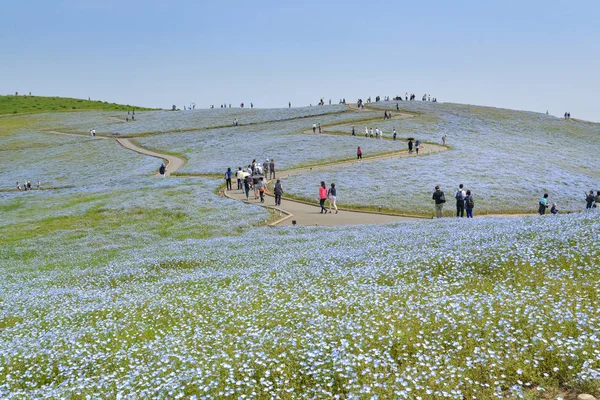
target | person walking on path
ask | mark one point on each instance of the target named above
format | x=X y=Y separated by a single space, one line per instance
x=359 y=154
x=272 y=169
x=440 y=199
x=247 y=181
x=353 y=132
x=266 y=167
x=394 y=134
x=323 y=197
x=320 y=131
x=410 y=146
x=278 y=191
x=255 y=186
x=332 y=194
x=366 y=131
x=228 y=178
x=314 y=128
x=543 y=204
x=469 y=204
x=589 y=200
x=417 y=145
x=262 y=186
x=162 y=169
x=444 y=140
x=238 y=176
x=460 y=201
x=597 y=200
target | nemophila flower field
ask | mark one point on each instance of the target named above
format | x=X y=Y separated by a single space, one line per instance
x=168 y=121
x=505 y=309
x=216 y=150
x=509 y=159
x=129 y=285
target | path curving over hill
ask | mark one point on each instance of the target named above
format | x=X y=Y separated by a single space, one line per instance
x=173 y=163
x=305 y=213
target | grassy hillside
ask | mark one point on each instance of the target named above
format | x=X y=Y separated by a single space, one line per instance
x=35 y=104
x=118 y=283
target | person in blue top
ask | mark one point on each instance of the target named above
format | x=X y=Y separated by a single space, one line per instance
x=543 y=204
x=228 y=178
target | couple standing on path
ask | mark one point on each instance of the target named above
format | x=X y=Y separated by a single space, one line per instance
x=464 y=201
x=325 y=194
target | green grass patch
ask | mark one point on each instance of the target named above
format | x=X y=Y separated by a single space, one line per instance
x=36 y=104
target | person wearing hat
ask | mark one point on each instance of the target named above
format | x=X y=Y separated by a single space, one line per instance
x=438 y=197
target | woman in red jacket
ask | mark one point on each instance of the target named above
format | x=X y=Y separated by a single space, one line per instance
x=323 y=197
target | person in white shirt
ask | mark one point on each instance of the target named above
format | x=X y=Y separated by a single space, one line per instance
x=460 y=201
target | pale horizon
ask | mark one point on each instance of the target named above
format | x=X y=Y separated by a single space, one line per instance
x=538 y=57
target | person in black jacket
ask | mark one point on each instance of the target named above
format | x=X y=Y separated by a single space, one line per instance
x=438 y=197
x=162 y=169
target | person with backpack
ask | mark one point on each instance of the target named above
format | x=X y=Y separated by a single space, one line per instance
x=440 y=199
x=162 y=169
x=323 y=197
x=228 y=178
x=278 y=191
x=543 y=204
x=469 y=204
x=332 y=194
x=589 y=200
x=460 y=201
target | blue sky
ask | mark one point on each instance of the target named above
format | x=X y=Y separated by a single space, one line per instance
x=530 y=55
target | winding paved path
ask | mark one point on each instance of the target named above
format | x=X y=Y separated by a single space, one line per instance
x=173 y=163
x=304 y=213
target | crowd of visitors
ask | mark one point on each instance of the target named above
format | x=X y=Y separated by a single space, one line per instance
x=255 y=178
